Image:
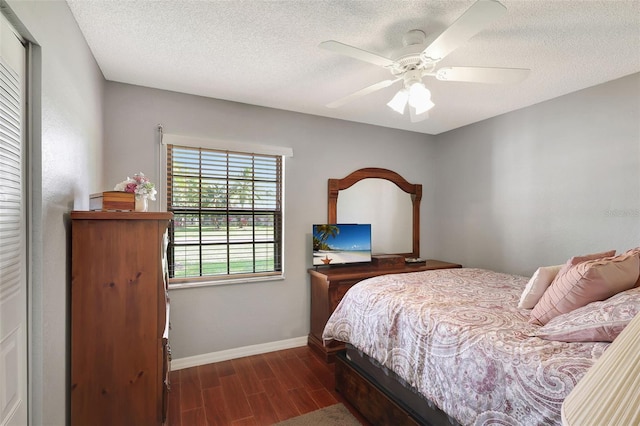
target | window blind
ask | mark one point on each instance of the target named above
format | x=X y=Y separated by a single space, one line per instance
x=227 y=210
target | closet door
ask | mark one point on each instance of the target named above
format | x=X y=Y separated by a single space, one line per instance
x=13 y=231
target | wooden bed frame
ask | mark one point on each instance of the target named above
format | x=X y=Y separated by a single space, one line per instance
x=380 y=398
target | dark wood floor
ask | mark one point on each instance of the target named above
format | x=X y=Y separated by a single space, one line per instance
x=256 y=390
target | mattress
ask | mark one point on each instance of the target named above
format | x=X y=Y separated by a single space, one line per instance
x=458 y=338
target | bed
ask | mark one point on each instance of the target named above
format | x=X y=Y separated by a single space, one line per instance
x=451 y=346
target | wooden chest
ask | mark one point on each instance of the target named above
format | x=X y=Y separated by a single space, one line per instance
x=387 y=261
x=112 y=200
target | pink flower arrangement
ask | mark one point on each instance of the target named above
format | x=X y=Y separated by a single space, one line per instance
x=139 y=185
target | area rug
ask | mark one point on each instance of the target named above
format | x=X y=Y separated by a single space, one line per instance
x=336 y=414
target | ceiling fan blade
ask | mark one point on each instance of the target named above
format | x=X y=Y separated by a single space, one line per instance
x=354 y=52
x=471 y=22
x=361 y=92
x=483 y=75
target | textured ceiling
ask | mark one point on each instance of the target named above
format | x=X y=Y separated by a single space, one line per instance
x=266 y=52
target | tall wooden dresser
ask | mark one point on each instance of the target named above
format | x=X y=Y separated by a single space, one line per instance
x=119 y=318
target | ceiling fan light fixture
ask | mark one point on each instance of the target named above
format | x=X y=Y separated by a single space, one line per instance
x=399 y=102
x=424 y=107
x=416 y=117
x=420 y=98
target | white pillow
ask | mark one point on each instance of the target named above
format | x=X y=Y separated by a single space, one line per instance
x=537 y=285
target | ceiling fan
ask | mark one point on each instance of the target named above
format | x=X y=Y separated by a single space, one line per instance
x=418 y=59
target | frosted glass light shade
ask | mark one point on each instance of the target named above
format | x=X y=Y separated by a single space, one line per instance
x=417 y=92
x=424 y=106
x=415 y=117
x=609 y=394
x=420 y=98
x=399 y=102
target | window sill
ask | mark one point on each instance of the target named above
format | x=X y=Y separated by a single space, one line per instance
x=225 y=281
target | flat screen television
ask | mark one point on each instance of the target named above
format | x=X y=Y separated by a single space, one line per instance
x=339 y=244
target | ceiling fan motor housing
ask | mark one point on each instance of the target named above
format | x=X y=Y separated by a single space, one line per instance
x=408 y=57
x=411 y=77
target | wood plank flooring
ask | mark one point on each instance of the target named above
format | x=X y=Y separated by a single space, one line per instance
x=253 y=391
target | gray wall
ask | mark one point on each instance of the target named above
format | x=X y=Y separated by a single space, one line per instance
x=66 y=166
x=211 y=319
x=538 y=185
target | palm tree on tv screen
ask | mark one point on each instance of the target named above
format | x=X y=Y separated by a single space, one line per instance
x=322 y=234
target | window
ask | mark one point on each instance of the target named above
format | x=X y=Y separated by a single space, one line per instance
x=228 y=214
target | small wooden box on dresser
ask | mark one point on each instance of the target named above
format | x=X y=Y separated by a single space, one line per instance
x=329 y=284
x=119 y=318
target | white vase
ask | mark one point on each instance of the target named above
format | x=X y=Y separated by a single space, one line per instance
x=142 y=204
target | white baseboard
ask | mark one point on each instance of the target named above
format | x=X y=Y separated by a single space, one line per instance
x=194 y=361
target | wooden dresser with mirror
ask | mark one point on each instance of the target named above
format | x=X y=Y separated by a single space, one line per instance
x=363 y=195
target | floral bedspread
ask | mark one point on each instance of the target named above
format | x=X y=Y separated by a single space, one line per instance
x=457 y=336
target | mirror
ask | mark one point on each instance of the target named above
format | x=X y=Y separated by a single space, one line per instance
x=384 y=199
x=361 y=204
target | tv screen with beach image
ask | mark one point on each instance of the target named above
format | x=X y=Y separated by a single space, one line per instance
x=338 y=244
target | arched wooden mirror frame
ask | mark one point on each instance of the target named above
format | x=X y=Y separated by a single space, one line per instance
x=414 y=190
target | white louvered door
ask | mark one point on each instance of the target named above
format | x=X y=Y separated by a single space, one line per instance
x=13 y=231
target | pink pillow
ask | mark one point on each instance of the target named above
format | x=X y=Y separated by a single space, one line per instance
x=595 y=322
x=637 y=252
x=537 y=285
x=579 y=259
x=595 y=256
x=584 y=283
